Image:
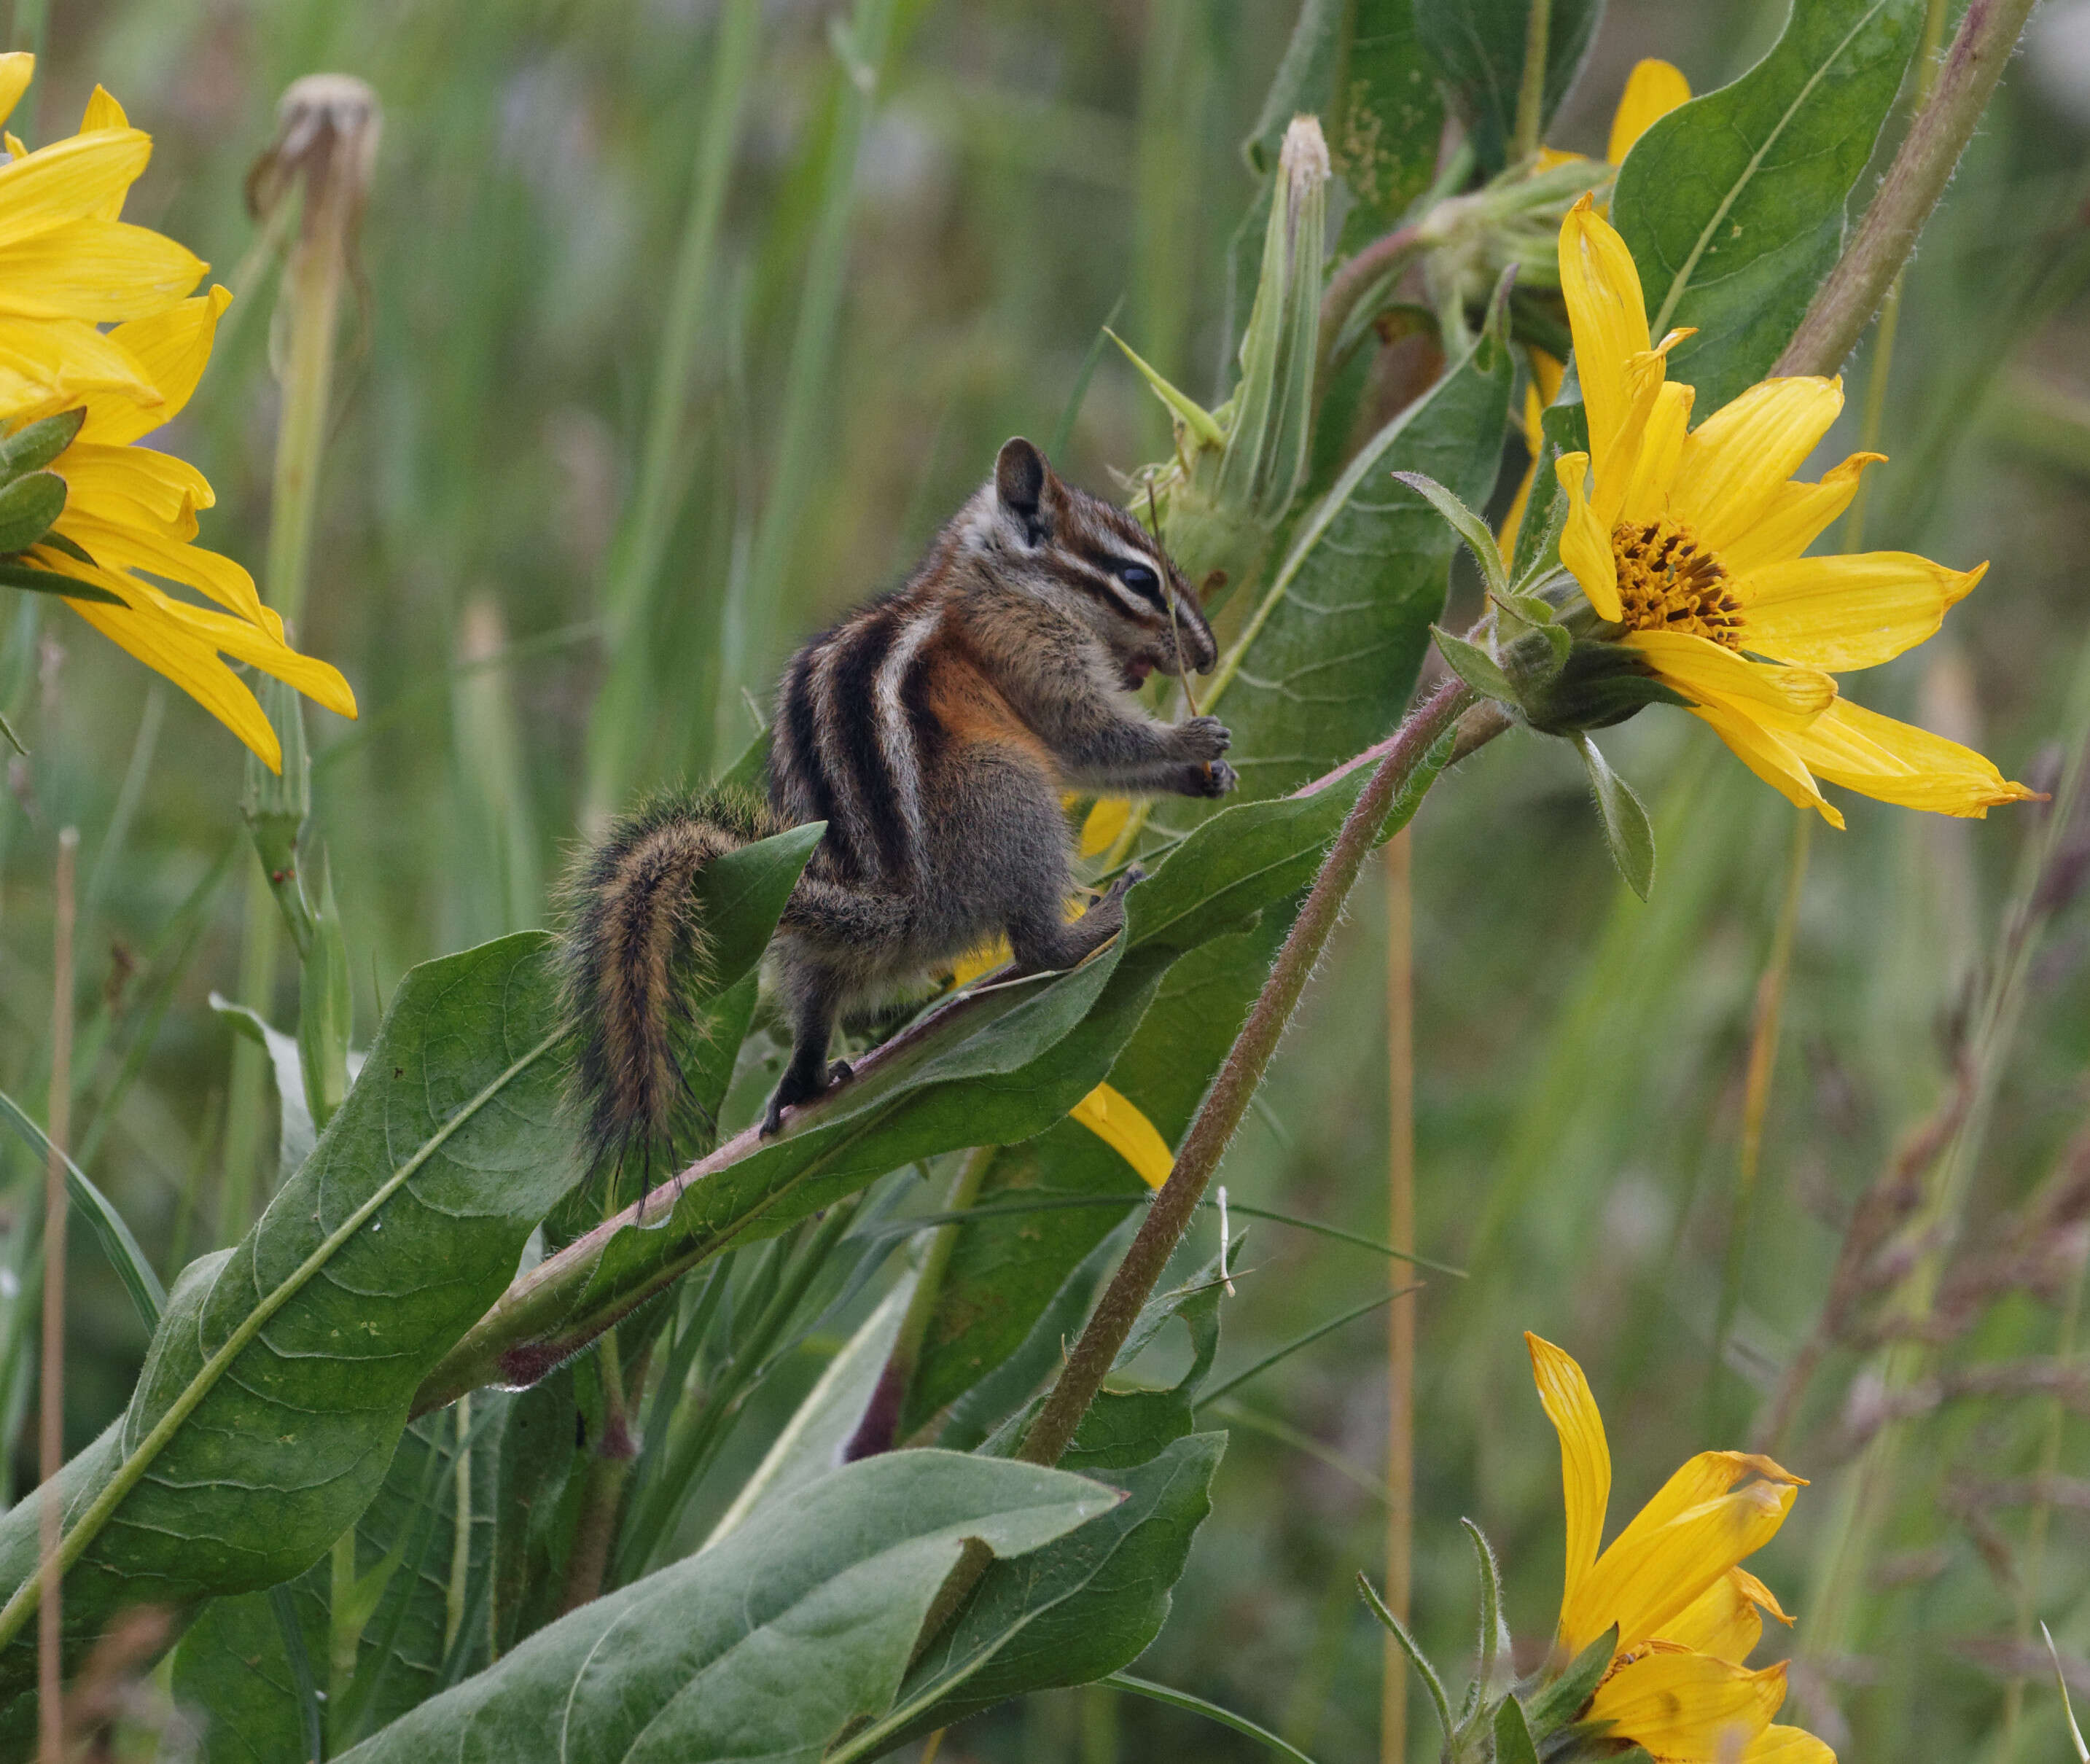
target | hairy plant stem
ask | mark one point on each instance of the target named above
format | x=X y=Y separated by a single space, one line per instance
x=1845 y=303
x=50 y=1432
x=1220 y=1114
x=602 y=1500
x=1400 y=1316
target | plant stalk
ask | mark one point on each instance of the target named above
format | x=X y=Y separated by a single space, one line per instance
x=50 y=1432
x=1220 y=1114
x=1400 y=1314
x=1845 y=303
x=1531 y=93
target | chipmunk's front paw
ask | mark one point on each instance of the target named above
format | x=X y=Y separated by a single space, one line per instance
x=1214 y=778
x=1132 y=876
x=1202 y=738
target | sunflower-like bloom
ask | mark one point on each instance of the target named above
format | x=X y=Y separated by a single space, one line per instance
x=67 y=264
x=1690 y=539
x=1687 y=1613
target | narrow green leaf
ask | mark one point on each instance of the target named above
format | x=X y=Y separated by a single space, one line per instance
x=1733 y=205
x=27 y=507
x=1513 y=1741
x=37 y=444
x=1627 y=829
x=36 y=581
x=296 y=1134
x=1193 y=415
x=1063 y=431
x=13 y=740
x=1468 y=526
x=2067 y=1708
x=1277 y=1355
x=1416 y=1658
x=1225 y=1718
x=1552 y=1706
x=102 y=1218
x=838 y=1583
x=1474 y=665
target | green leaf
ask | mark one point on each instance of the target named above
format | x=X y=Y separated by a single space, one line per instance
x=278 y=1383
x=1468 y=525
x=13 y=740
x=1552 y=1706
x=2067 y=1708
x=1513 y=1741
x=102 y=1218
x=1479 y=47
x=27 y=507
x=1182 y=1699
x=36 y=581
x=35 y=445
x=1187 y=409
x=1627 y=829
x=784 y=1638
x=296 y=1135
x=1564 y=429
x=536 y=1504
x=1416 y=1656
x=1303 y=82
x=1474 y=665
x=1389 y=119
x=1733 y=205
x=1079 y=1608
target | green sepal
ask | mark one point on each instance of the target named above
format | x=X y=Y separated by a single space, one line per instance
x=13 y=574
x=1192 y=415
x=27 y=507
x=1599 y=685
x=72 y=548
x=1627 y=829
x=1474 y=665
x=1513 y=1741
x=1556 y=1704
x=1468 y=526
x=33 y=447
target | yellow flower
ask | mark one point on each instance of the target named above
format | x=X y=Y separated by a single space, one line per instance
x=67 y=264
x=1690 y=540
x=1687 y=1615
x=1652 y=89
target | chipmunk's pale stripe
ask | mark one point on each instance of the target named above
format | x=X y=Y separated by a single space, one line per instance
x=831 y=756
x=896 y=739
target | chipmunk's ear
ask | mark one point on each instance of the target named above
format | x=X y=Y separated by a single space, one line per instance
x=1021 y=476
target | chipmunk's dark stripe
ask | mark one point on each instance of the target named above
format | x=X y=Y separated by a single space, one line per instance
x=852 y=720
x=932 y=739
x=798 y=772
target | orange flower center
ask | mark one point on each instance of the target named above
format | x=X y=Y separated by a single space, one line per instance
x=1667 y=581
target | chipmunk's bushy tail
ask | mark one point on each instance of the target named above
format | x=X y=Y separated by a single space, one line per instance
x=634 y=947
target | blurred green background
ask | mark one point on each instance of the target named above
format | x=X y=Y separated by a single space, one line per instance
x=1031 y=166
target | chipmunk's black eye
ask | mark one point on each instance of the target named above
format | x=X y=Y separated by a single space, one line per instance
x=1140 y=580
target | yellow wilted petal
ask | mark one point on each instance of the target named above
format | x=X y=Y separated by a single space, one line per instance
x=70 y=180
x=1848 y=612
x=1899 y=762
x=1723 y=1621
x=1688 y=1708
x=101 y=271
x=191 y=663
x=1796 y=515
x=174 y=346
x=1647 y=1578
x=1645 y=494
x=1585 y=543
x=1585 y=1459
x=1540 y=390
x=48 y=365
x=1609 y=318
x=1112 y=1118
x=131 y=547
x=1652 y=89
x=320 y=680
x=1785 y=698
x=1104 y=822
x=16 y=71
x=1787 y=1745
x=1738 y=459
x=1768 y=756
x=168 y=489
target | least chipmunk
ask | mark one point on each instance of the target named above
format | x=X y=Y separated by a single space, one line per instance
x=934 y=730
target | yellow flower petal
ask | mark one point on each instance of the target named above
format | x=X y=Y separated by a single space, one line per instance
x=1849 y=612
x=1112 y=1117
x=1725 y=1620
x=1786 y=1745
x=1104 y=822
x=48 y=365
x=102 y=481
x=97 y=270
x=69 y=180
x=1608 y=316
x=1688 y=1708
x=174 y=346
x=1651 y=1575
x=1540 y=390
x=1785 y=698
x=984 y=960
x=319 y=680
x=16 y=71
x=1585 y=1459
x=1645 y=493
x=104 y=112
x=1899 y=762
x=1768 y=756
x=1585 y=542
x=192 y=664
x=1653 y=89
x=1796 y=515
x=1738 y=459
x=132 y=547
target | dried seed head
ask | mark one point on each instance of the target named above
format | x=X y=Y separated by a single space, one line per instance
x=327 y=129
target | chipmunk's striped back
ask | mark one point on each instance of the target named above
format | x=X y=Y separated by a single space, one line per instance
x=933 y=731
